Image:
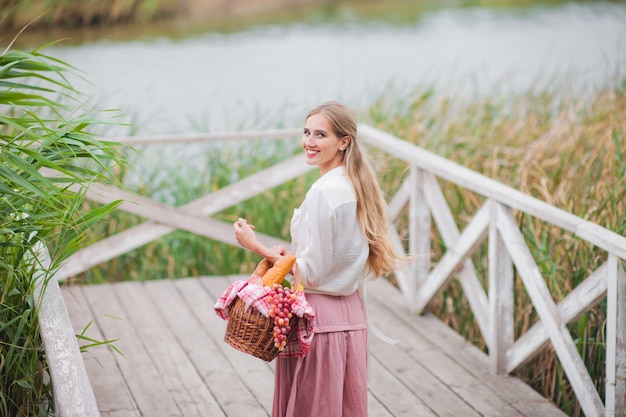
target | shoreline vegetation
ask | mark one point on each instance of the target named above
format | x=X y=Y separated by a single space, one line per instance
x=42 y=14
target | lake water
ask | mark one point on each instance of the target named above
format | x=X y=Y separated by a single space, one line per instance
x=271 y=74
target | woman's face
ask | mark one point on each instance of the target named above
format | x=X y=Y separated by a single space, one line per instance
x=321 y=145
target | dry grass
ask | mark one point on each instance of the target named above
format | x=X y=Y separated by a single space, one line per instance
x=566 y=150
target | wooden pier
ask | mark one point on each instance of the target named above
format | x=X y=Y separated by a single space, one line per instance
x=175 y=362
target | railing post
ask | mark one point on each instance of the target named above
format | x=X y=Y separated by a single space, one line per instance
x=500 y=295
x=615 y=401
x=419 y=227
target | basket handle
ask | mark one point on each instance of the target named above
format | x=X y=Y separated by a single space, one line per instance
x=296 y=275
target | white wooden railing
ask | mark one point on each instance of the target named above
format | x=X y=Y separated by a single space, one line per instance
x=422 y=282
x=507 y=248
x=73 y=394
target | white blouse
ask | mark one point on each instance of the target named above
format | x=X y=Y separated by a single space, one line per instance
x=329 y=245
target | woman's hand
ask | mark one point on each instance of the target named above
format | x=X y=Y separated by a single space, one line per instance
x=244 y=233
x=245 y=236
x=279 y=249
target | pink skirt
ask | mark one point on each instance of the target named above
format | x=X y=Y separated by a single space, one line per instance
x=331 y=380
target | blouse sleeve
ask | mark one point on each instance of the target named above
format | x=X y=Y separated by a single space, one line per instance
x=315 y=256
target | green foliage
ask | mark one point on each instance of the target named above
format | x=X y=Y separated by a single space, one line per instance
x=46 y=150
x=180 y=180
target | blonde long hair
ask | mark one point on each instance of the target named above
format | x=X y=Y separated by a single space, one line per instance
x=371 y=208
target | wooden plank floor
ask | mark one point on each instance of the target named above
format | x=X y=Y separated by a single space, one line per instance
x=175 y=362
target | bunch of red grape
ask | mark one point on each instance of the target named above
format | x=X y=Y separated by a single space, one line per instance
x=280 y=300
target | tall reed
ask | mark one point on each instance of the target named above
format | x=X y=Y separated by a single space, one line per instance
x=39 y=129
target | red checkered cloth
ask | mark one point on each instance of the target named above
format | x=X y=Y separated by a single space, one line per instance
x=255 y=296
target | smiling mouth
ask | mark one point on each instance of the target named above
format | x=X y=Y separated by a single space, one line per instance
x=311 y=152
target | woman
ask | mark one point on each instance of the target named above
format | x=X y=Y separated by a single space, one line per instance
x=340 y=238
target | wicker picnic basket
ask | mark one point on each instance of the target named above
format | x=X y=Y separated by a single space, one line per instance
x=251 y=332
